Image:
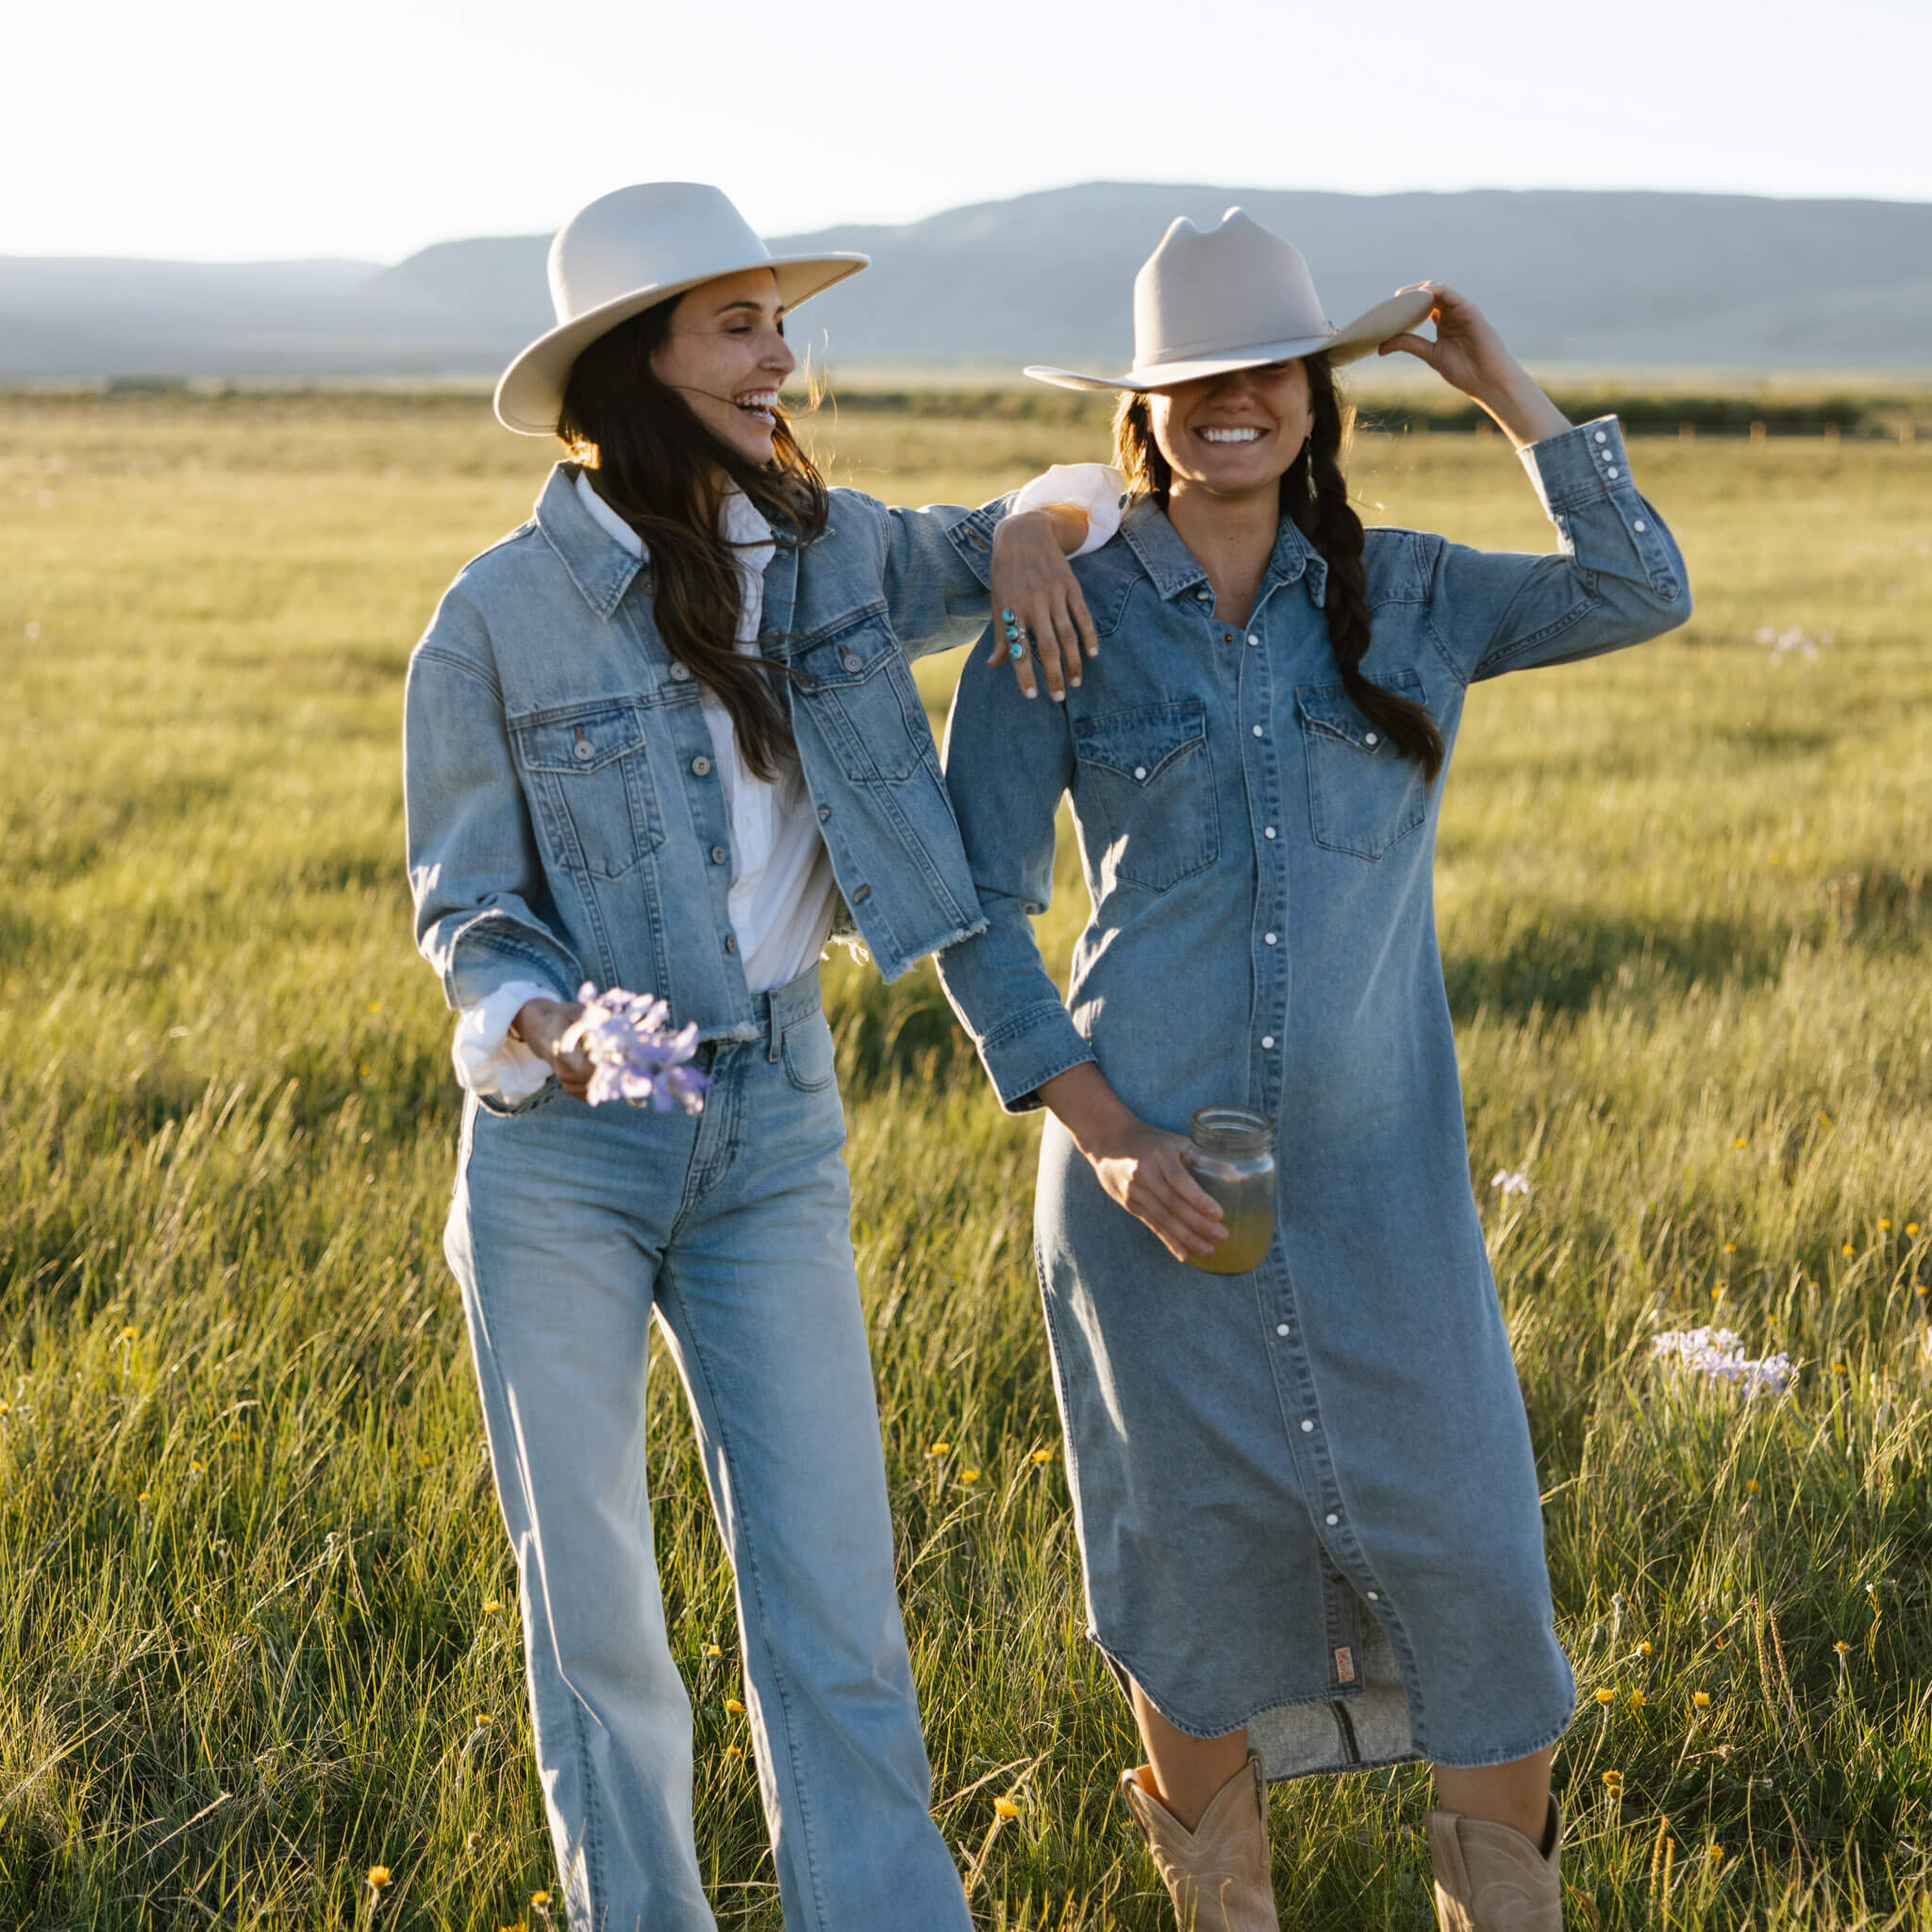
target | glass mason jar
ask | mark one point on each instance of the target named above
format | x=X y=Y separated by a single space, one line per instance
x=1232 y=1156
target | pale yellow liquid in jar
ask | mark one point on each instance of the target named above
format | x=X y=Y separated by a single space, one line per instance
x=1247 y=1201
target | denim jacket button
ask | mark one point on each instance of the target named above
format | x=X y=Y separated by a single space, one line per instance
x=1640 y=527
x=679 y=671
x=1307 y=1427
x=701 y=766
x=1139 y=771
x=851 y=660
x=583 y=751
x=718 y=854
x=731 y=943
x=1281 y=1327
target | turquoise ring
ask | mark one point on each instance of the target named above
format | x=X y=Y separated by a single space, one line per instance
x=1016 y=650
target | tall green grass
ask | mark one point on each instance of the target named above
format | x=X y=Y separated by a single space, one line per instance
x=257 y=1612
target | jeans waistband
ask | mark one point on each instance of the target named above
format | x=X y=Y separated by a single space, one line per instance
x=786 y=1006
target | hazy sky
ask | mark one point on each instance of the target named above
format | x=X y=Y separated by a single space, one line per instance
x=229 y=131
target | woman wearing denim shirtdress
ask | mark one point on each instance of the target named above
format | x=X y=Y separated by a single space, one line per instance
x=601 y=785
x=1305 y=1498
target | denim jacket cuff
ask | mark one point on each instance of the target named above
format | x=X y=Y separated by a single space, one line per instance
x=493 y=949
x=971 y=537
x=1022 y=1054
x=1577 y=466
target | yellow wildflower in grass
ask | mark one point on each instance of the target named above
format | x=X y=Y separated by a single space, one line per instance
x=1884 y=1225
x=941 y=1447
x=1848 y=1251
x=1730 y=1247
x=1717 y=1293
x=127 y=1335
x=1751 y=1484
x=491 y=1606
x=540 y=1898
x=1842 y=1648
x=1613 y=1782
x=969 y=1476
x=1005 y=1807
x=1740 y=1141
x=1911 y=1227
x=483 y=1717
x=1701 y=1699
x=1643 y=1648
x=1716 y=1855
x=736 y=1708
x=1042 y=1456
x=1607 y=1696
x=379 y=1877
x=712 y=1650
x=1638 y=1699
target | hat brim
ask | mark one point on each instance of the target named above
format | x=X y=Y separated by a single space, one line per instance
x=1369 y=330
x=530 y=396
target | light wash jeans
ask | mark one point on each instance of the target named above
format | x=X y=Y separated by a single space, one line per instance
x=570 y=1225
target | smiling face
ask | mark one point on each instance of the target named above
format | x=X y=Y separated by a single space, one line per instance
x=1233 y=435
x=726 y=355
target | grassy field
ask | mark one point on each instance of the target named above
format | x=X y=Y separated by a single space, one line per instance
x=257 y=1611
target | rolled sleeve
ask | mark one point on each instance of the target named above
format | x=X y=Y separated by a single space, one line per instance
x=937 y=569
x=1095 y=487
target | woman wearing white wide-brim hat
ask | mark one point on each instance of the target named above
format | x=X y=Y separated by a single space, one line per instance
x=661 y=738
x=1307 y=1505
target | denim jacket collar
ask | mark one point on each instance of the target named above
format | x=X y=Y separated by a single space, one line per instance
x=599 y=566
x=1171 y=567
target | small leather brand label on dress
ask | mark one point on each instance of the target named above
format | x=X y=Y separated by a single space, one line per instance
x=1344 y=1665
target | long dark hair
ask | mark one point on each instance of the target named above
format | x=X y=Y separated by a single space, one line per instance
x=657 y=467
x=1314 y=496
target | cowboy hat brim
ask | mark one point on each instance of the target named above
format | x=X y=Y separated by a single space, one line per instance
x=529 y=397
x=1370 y=329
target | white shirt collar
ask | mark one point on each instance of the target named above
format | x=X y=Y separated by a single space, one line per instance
x=740 y=520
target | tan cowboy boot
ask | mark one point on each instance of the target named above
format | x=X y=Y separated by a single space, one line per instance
x=1490 y=1878
x=1217 y=1874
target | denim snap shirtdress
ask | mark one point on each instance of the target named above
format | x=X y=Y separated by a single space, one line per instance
x=1305 y=1496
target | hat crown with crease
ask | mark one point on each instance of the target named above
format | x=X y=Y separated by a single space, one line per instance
x=645 y=237
x=1206 y=292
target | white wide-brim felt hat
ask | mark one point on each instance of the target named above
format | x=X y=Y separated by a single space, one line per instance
x=1235 y=297
x=627 y=252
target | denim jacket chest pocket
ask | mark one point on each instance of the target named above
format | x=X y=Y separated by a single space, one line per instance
x=586 y=770
x=863 y=697
x=1145 y=777
x=1363 y=794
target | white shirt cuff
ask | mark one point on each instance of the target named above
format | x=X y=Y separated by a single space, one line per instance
x=1097 y=488
x=488 y=1060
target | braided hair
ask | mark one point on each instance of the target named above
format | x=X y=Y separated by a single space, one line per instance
x=1314 y=496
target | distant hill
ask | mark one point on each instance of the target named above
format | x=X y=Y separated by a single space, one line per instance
x=1624 y=278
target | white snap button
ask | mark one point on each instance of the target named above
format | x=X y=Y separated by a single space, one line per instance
x=583 y=751
x=679 y=672
x=1253 y=639
x=1603 y=436
x=1267 y=939
x=1369 y=738
x=701 y=766
x=1612 y=471
x=1281 y=1327
x=1267 y=831
x=1640 y=527
x=1374 y=1596
x=1307 y=1427
x=1267 y=1042
x=1331 y=1519
x=1139 y=771
x=851 y=660
x=1256 y=729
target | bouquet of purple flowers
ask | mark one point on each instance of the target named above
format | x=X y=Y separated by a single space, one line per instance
x=636 y=1056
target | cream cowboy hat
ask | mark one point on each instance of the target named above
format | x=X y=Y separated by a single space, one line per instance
x=1232 y=298
x=627 y=252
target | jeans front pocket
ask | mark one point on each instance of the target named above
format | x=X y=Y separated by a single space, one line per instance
x=808 y=1051
x=588 y=782
x=1363 y=794
x=1146 y=776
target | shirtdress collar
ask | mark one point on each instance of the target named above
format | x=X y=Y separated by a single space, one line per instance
x=1172 y=568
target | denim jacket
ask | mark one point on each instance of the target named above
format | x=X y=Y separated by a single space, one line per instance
x=1259 y=862
x=564 y=818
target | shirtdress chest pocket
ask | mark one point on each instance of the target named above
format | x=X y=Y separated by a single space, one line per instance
x=1363 y=794
x=589 y=787
x=1146 y=776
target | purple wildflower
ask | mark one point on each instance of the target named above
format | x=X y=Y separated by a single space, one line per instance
x=1719 y=1353
x=636 y=1056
